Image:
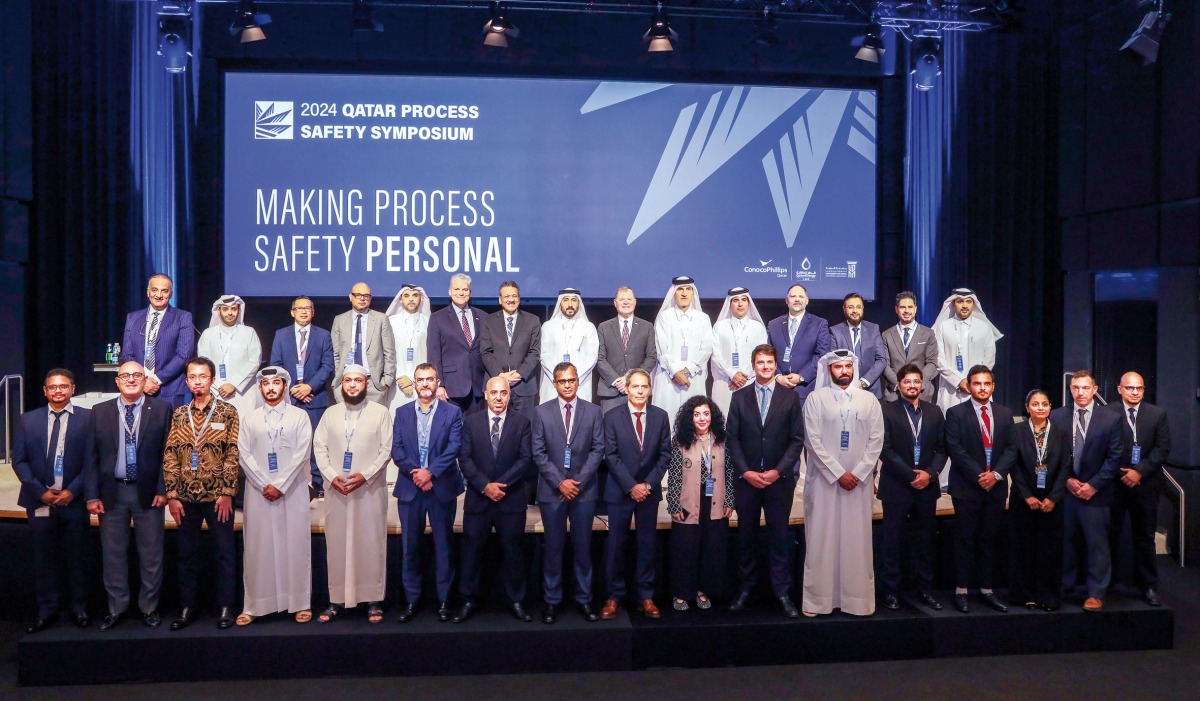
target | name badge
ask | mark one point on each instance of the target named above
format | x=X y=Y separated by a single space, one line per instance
x=1135 y=454
x=221 y=370
x=958 y=362
x=845 y=440
x=195 y=461
x=41 y=512
x=987 y=452
x=130 y=455
x=710 y=486
x=1041 y=476
x=683 y=353
x=409 y=355
x=787 y=354
x=299 y=372
x=916 y=455
x=567 y=458
x=58 y=466
x=566 y=357
x=735 y=362
x=273 y=462
x=347 y=461
x=424 y=456
x=218 y=426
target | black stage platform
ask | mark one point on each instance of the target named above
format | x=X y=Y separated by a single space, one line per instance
x=493 y=642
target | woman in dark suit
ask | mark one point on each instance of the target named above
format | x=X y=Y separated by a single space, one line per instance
x=700 y=500
x=1039 y=478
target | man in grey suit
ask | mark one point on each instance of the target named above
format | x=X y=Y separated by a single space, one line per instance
x=363 y=336
x=909 y=342
x=626 y=343
x=863 y=338
x=510 y=346
x=568 y=445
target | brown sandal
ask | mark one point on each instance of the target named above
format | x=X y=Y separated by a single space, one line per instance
x=244 y=619
x=304 y=616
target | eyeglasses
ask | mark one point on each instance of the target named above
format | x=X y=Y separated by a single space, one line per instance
x=57 y=388
x=567 y=381
x=131 y=376
x=1134 y=389
x=198 y=378
x=361 y=296
x=304 y=309
x=425 y=380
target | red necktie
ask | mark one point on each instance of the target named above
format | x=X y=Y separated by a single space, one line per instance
x=987 y=431
x=466 y=328
x=638 y=425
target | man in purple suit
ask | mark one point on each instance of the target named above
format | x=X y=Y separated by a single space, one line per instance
x=864 y=338
x=162 y=339
x=800 y=339
x=452 y=346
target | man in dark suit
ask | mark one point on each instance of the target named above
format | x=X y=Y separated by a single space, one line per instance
x=626 y=342
x=452 y=346
x=765 y=452
x=124 y=482
x=50 y=454
x=162 y=339
x=637 y=448
x=510 y=346
x=914 y=453
x=496 y=461
x=426 y=438
x=1147 y=443
x=909 y=342
x=568 y=445
x=981 y=444
x=1096 y=447
x=800 y=339
x=863 y=338
x=307 y=352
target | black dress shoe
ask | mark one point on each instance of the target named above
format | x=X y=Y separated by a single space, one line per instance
x=444 y=611
x=890 y=602
x=111 y=620
x=1152 y=597
x=550 y=613
x=185 y=619
x=993 y=603
x=589 y=612
x=38 y=625
x=225 y=620
x=741 y=603
x=960 y=603
x=407 y=613
x=519 y=612
x=152 y=619
x=82 y=620
x=931 y=601
x=789 y=609
x=464 y=613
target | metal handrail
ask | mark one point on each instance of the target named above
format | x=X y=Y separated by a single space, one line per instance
x=20 y=379
x=1182 y=516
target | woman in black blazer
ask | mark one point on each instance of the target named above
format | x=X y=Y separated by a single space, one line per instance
x=1039 y=479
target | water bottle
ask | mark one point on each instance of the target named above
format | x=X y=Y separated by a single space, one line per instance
x=108 y=354
x=116 y=353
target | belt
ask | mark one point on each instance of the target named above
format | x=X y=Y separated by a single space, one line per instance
x=125 y=481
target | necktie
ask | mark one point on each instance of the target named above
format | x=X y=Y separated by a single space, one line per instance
x=764 y=398
x=791 y=328
x=303 y=345
x=625 y=336
x=1132 y=418
x=906 y=338
x=495 y=434
x=358 y=340
x=151 y=341
x=510 y=330
x=1080 y=433
x=52 y=447
x=987 y=428
x=466 y=328
x=637 y=424
x=130 y=470
x=854 y=341
x=567 y=421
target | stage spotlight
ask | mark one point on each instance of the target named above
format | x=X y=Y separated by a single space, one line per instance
x=926 y=62
x=362 y=26
x=660 y=37
x=871 y=47
x=766 y=34
x=174 y=32
x=247 y=24
x=1147 y=36
x=499 y=29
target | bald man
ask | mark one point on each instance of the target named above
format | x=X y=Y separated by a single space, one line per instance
x=363 y=336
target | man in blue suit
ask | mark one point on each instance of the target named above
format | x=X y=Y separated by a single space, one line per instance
x=162 y=339
x=50 y=452
x=800 y=339
x=426 y=437
x=1096 y=449
x=865 y=339
x=568 y=487
x=637 y=448
x=307 y=353
x=452 y=346
x=496 y=462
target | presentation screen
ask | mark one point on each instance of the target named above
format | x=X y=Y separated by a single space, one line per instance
x=335 y=179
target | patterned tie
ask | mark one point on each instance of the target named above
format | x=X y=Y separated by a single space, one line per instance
x=151 y=341
x=303 y=345
x=466 y=328
x=764 y=399
x=358 y=340
x=52 y=446
x=1133 y=418
x=130 y=470
x=567 y=421
x=987 y=431
x=495 y=435
x=906 y=339
x=637 y=424
x=854 y=341
x=791 y=329
x=625 y=336
x=510 y=330
x=1080 y=434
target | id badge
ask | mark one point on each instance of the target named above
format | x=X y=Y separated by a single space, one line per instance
x=566 y=357
x=130 y=455
x=787 y=354
x=273 y=462
x=736 y=355
x=221 y=370
x=1041 y=477
x=195 y=461
x=958 y=362
x=845 y=440
x=58 y=466
x=41 y=512
x=567 y=459
x=710 y=484
x=299 y=372
x=1135 y=454
x=409 y=355
x=683 y=354
x=424 y=456
x=988 y=455
x=347 y=461
x=916 y=455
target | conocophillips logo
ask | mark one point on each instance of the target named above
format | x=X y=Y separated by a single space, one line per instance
x=273 y=120
x=764 y=266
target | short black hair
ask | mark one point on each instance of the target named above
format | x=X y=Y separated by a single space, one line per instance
x=60 y=371
x=909 y=369
x=201 y=360
x=981 y=369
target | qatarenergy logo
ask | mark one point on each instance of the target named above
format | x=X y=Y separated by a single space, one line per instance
x=273 y=120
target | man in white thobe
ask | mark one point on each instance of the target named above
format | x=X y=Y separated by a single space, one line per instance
x=843 y=429
x=409 y=317
x=274 y=445
x=568 y=337
x=965 y=338
x=739 y=329
x=352 y=444
x=683 y=335
x=235 y=349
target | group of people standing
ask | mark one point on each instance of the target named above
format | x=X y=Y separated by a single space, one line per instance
x=499 y=406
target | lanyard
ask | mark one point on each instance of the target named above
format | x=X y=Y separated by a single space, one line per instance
x=273 y=435
x=130 y=436
x=916 y=428
x=844 y=413
x=706 y=458
x=225 y=346
x=1132 y=426
x=1040 y=450
x=346 y=420
x=425 y=422
x=413 y=328
x=963 y=330
x=685 y=324
x=987 y=432
x=212 y=405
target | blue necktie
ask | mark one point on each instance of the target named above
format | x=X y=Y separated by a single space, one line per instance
x=854 y=342
x=358 y=340
x=1132 y=418
x=130 y=469
x=151 y=343
x=906 y=339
